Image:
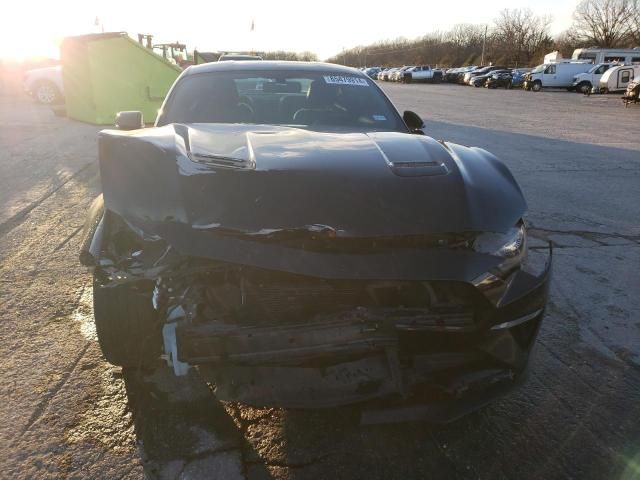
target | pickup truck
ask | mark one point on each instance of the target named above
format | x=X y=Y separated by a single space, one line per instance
x=422 y=73
x=584 y=82
x=44 y=85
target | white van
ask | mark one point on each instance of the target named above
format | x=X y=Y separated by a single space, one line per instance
x=617 y=78
x=554 y=75
x=583 y=82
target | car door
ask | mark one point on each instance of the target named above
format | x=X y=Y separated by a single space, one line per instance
x=549 y=77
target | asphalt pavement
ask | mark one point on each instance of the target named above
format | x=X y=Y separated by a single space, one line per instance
x=66 y=413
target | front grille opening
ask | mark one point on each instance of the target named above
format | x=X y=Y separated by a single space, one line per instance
x=255 y=296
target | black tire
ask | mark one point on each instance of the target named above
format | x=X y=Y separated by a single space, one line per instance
x=536 y=86
x=46 y=93
x=584 y=87
x=126 y=323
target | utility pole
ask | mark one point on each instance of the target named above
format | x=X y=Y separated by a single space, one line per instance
x=484 y=43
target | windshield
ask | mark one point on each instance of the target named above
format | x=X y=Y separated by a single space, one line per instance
x=317 y=100
x=539 y=68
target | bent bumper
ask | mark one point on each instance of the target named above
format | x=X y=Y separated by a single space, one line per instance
x=436 y=368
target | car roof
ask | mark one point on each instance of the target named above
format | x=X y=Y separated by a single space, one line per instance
x=269 y=65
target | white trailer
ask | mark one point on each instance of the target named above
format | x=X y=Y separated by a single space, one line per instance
x=617 y=78
x=607 y=55
x=554 y=75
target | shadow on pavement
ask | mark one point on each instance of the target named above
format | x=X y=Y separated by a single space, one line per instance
x=182 y=430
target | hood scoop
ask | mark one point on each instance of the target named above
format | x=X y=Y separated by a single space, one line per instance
x=416 y=156
x=221 y=149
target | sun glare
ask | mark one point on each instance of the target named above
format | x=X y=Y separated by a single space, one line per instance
x=34 y=28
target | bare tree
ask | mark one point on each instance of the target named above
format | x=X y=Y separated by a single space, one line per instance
x=284 y=55
x=465 y=35
x=517 y=39
x=635 y=23
x=519 y=34
x=605 y=23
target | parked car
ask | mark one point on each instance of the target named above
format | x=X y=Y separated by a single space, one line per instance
x=554 y=75
x=422 y=73
x=469 y=76
x=372 y=72
x=632 y=94
x=386 y=75
x=584 y=82
x=466 y=76
x=237 y=235
x=44 y=85
x=441 y=71
x=397 y=75
x=517 y=76
x=480 y=80
x=617 y=78
x=457 y=75
x=499 y=79
x=452 y=74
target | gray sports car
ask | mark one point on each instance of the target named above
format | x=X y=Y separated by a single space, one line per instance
x=286 y=231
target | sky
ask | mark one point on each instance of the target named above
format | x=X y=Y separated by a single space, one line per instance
x=35 y=27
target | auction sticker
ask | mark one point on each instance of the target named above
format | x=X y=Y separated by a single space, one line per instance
x=342 y=80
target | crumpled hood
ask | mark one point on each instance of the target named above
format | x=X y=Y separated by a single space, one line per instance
x=251 y=178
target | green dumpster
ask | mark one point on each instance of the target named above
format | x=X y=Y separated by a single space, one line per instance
x=105 y=73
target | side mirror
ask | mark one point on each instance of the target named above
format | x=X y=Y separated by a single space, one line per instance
x=414 y=122
x=130 y=120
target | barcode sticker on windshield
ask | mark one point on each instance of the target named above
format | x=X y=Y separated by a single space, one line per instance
x=342 y=80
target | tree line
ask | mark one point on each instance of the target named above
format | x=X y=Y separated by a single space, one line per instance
x=517 y=37
x=292 y=56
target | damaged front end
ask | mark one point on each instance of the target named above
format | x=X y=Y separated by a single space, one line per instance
x=307 y=318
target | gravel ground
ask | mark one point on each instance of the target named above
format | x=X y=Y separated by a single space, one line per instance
x=68 y=414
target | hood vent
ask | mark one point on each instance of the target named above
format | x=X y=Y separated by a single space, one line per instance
x=411 y=156
x=229 y=148
x=418 y=169
x=221 y=160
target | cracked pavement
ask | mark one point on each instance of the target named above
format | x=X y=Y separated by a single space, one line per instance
x=68 y=414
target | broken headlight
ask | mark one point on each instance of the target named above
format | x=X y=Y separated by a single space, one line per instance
x=511 y=246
